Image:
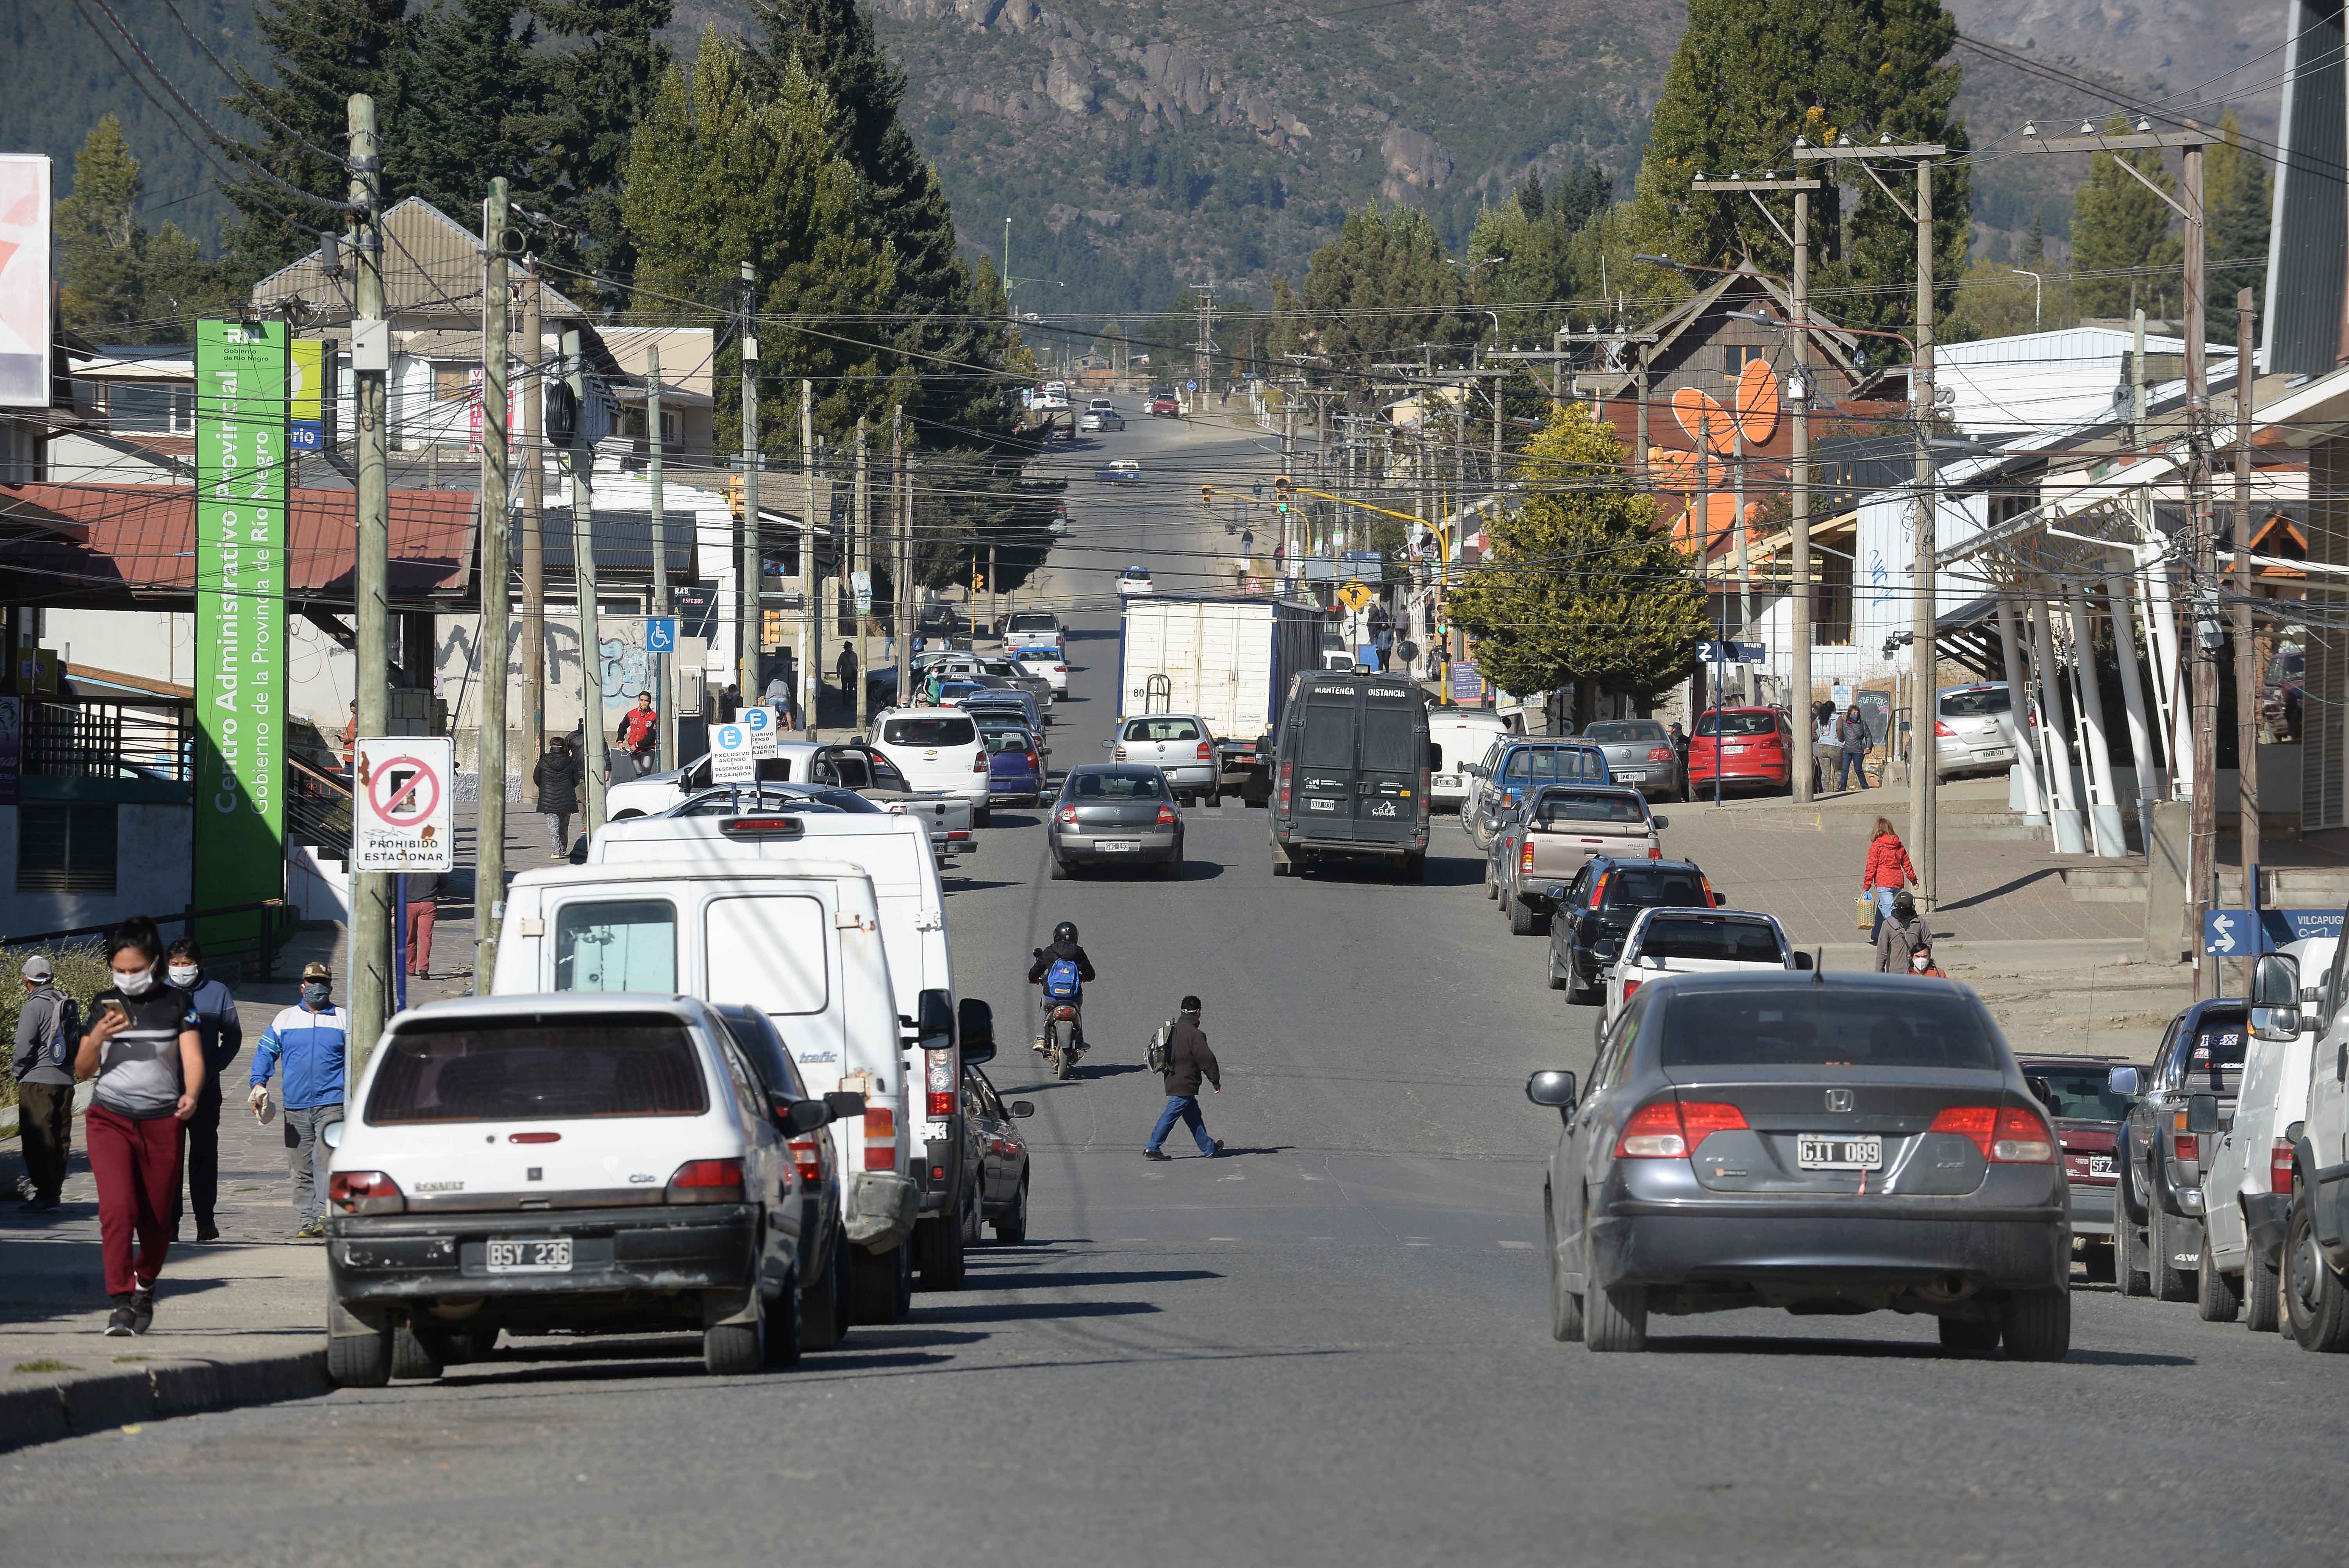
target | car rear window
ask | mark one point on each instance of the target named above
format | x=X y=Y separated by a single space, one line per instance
x=1390 y=739
x=1641 y=887
x=616 y=946
x=1014 y=741
x=1710 y=936
x=1978 y=704
x=1554 y=762
x=1164 y=730
x=1033 y=621
x=557 y=1067
x=1329 y=741
x=2219 y=1042
x=1737 y=723
x=941 y=730
x=1115 y=784
x=1563 y=811
x=1825 y=1025
x=2080 y=1093
x=1618 y=732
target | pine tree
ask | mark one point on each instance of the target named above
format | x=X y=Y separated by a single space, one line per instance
x=591 y=96
x=2034 y=242
x=321 y=52
x=98 y=239
x=470 y=90
x=2120 y=232
x=2238 y=193
x=1581 y=585
x=1382 y=287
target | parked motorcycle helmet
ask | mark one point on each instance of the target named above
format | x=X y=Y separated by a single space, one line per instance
x=1065 y=932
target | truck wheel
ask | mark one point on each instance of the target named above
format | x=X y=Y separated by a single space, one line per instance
x=2038 y=1326
x=2216 y=1298
x=2262 y=1300
x=732 y=1349
x=873 y=1285
x=2170 y=1282
x=2315 y=1299
x=412 y=1357
x=823 y=1309
x=2130 y=1248
x=940 y=1241
x=360 y=1360
x=1521 y=917
x=1962 y=1336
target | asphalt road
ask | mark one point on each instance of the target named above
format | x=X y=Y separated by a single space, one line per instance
x=1327 y=1347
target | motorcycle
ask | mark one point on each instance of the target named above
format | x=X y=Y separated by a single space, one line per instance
x=1061 y=1050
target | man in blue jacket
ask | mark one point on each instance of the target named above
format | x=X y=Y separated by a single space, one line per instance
x=308 y=1038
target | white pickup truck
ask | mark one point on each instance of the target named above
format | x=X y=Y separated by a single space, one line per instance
x=2313 y=1278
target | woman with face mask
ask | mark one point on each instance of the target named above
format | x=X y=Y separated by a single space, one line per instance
x=145 y=1051
x=223 y=1036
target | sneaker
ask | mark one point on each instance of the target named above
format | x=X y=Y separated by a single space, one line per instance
x=118 y=1322
x=206 y=1231
x=1158 y=1154
x=1038 y=1047
x=312 y=1230
x=142 y=1310
x=38 y=1206
x=1217 y=1151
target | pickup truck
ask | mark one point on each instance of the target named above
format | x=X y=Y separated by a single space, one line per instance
x=1124 y=471
x=1549 y=838
x=948 y=818
x=2162 y=1145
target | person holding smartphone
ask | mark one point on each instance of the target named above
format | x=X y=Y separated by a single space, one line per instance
x=144 y=1047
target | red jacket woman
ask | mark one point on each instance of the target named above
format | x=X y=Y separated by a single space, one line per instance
x=1887 y=861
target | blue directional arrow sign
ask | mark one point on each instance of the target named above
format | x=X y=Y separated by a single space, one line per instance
x=660 y=633
x=2230 y=933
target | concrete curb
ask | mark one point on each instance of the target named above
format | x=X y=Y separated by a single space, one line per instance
x=74 y=1406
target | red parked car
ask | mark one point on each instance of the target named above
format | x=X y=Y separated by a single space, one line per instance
x=1755 y=747
x=1163 y=404
x=2087 y=1116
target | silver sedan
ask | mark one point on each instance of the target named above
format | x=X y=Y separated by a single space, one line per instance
x=1115 y=813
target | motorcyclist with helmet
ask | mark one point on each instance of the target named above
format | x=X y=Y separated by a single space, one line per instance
x=1064 y=949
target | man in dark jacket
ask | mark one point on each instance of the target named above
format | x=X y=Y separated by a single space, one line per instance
x=1064 y=947
x=48 y=1029
x=1188 y=1063
x=222 y=1033
x=557 y=777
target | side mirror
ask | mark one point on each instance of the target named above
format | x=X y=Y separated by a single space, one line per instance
x=1720 y=899
x=799 y=1115
x=2127 y=1082
x=978 y=1021
x=2275 y=981
x=2202 y=1113
x=331 y=1135
x=1108 y=744
x=844 y=1105
x=1804 y=961
x=1553 y=1088
x=1660 y=823
x=1022 y=1108
x=1554 y=893
x=935 y=1020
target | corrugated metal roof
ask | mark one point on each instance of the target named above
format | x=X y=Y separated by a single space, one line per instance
x=431 y=274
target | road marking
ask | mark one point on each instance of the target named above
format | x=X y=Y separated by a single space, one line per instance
x=1231 y=1178
x=1222 y=1238
x=1320 y=1238
x=1518 y=1246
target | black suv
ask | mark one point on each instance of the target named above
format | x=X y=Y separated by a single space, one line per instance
x=1595 y=911
x=2163 y=1142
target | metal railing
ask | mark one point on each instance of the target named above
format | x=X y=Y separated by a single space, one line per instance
x=109 y=738
x=318 y=808
x=265 y=948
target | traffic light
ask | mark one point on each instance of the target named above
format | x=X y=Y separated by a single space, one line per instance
x=1206 y=495
x=1280 y=489
x=734 y=496
x=978 y=582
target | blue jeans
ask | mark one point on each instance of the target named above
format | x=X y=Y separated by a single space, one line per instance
x=1883 y=897
x=1853 y=762
x=1187 y=1107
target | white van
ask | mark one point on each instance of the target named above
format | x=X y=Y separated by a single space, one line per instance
x=894 y=852
x=1459 y=738
x=936 y=749
x=803 y=944
x=2247 y=1186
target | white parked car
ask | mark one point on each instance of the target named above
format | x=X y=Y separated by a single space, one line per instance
x=1460 y=739
x=2247 y=1184
x=937 y=749
x=1976 y=729
x=1666 y=939
x=1135 y=580
x=1033 y=629
x=1048 y=664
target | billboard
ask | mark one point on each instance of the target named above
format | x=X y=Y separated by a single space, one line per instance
x=24 y=337
x=243 y=395
x=306 y=400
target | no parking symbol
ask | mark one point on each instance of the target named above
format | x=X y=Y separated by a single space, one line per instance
x=403 y=814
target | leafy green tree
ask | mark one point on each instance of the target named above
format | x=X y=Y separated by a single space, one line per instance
x=119 y=282
x=1534 y=233
x=1750 y=75
x=1581 y=585
x=1382 y=288
x=2238 y=193
x=2122 y=248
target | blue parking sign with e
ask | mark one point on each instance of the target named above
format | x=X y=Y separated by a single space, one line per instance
x=730 y=761
x=755 y=719
x=1190 y=385
x=660 y=633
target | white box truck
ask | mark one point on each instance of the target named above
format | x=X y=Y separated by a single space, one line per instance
x=1227 y=660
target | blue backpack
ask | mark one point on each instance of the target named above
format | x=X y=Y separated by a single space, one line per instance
x=1061 y=981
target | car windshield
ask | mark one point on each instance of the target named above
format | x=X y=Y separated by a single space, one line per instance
x=1115 y=784
x=1981 y=702
x=939 y=731
x=1816 y=1026
x=1627 y=732
x=1557 y=810
x=1162 y=729
x=555 y=1068
x=1736 y=723
x=2080 y=1093
x=1710 y=936
x=1638 y=887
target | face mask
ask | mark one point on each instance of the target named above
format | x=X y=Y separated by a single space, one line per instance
x=185 y=975
x=135 y=984
x=315 y=993
x=1919 y=960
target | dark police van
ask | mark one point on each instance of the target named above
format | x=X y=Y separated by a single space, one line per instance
x=1351 y=763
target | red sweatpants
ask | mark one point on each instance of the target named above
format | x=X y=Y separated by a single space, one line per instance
x=137 y=1164
x=420 y=935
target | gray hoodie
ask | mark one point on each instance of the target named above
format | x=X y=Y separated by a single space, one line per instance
x=1897 y=940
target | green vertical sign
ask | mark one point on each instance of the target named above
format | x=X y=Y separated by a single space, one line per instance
x=242 y=415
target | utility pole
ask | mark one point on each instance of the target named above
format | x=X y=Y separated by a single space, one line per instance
x=864 y=561
x=490 y=736
x=2202 y=865
x=810 y=608
x=581 y=456
x=746 y=596
x=2247 y=673
x=1206 y=343
x=370 y=978
x=533 y=505
x=901 y=509
x=663 y=680
x=1924 y=781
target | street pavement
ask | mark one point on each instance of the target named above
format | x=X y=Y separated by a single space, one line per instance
x=1329 y=1347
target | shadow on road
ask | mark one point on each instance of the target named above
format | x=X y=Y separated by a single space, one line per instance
x=1034 y=1280
x=1885 y=1350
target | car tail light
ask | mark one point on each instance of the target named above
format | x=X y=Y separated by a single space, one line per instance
x=2006 y=1135
x=1284 y=787
x=707 y=1182
x=1525 y=857
x=1036 y=765
x=2186 y=1147
x=1670 y=1129
x=1206 y=751
x=366 y=1193
x=1655 y=851
x=942 y=1103
x=978 y=763
x=1166 y=815
x=1426 y=783
x=1117 y=754
x=808 y=1157
x=1629 y=986
x=1659 y=754
x=1068 y=815
x=1941 y=728
x=880 y=1138
x=1060 y=669
x=1599 y=888
x=2280 y=1166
